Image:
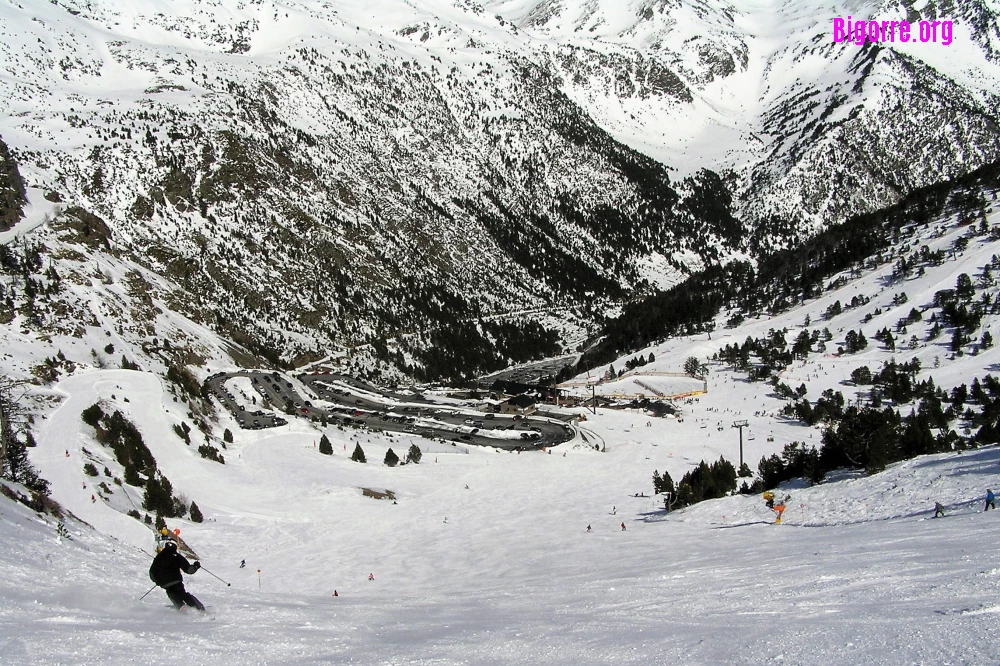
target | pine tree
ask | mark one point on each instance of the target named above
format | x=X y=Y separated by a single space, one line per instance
x=415 y=454
x=19 y=468
x=325 y=447
x=964 y=288
x=92 y=415
x=958 y=339
x=358 y=455
x=391 y=459
x=227 y=436
x=662 y=484
x=132 y=477
x=196 y=516
x=861 y=376
x=159 y=497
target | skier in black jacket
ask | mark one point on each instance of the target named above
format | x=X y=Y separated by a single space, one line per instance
x=165 y=571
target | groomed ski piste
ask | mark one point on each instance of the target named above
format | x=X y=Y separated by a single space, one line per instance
x=858 y=572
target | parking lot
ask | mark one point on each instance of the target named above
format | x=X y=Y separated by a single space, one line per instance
x=342 y=400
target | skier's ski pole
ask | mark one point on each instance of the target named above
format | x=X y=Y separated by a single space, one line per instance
x=214 y=576
x=150 y=590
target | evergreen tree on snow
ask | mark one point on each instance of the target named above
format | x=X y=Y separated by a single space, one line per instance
x=325 y=447
x=414 y=453
x=19 y=469
x=662 y=484
x=358 y=455
x=92 y=415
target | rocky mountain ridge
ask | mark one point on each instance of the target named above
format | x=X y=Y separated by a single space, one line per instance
x=308 y=175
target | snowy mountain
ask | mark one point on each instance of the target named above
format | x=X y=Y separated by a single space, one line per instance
x=304 y=175
x=446 y=188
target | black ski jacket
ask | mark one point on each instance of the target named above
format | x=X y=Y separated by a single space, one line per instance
x=167 y=566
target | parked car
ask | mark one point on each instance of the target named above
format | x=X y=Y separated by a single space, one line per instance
x=490 y=415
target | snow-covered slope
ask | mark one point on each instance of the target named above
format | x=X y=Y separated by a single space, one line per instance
x=857 y=567
x=485 y=556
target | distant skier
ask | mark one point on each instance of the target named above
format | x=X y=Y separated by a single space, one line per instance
x=588 y=528
x=623 y=527
x=991 y=501
x=165 y=571
x=938 y=509
x=371 y=576
x=243 y=564
x=775 y=505
x=780 y=509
